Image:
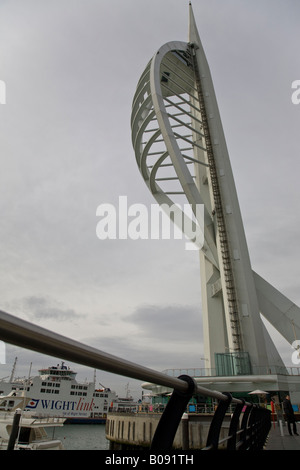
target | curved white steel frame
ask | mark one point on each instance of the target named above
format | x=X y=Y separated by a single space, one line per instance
x=181 y=152
x=162 y=128
x=169 y=142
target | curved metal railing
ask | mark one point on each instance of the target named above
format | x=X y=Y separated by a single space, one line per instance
x=256 y=421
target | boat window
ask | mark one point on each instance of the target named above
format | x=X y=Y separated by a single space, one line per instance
x=24 y=435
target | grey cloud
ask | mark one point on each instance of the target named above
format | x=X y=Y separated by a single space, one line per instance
x=162 y=351
x=164 y=337
x=168 y=323
x=39 y=308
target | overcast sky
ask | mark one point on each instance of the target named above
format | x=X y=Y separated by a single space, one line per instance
x=71 y=68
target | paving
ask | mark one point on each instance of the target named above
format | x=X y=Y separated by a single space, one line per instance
x=280 y=439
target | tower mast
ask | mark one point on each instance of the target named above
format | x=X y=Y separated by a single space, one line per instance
x=239 y=305
x=178 y=139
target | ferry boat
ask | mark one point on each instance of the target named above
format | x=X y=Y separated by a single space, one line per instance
x=55 y=392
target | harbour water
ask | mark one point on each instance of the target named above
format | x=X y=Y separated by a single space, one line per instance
x=82 y=436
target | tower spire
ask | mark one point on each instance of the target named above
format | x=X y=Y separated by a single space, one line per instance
x=181 y=150
x=193 y=35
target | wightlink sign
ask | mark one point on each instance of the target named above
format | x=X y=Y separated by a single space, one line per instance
x=60 y=405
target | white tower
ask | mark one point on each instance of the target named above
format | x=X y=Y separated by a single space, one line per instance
x=181 y=152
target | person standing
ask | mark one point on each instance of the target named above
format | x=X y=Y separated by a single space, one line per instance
x=289 y=415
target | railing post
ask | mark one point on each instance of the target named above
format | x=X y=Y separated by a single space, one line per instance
x=170 y=419
x=14 y=430
x=253 y=425
x=262 y=427
x=244 y=427
x=216 y=423
x=259 y=427
x=234 y=423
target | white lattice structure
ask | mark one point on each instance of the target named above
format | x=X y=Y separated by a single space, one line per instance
x=182 y=155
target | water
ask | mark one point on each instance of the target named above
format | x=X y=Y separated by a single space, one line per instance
x=82 y=436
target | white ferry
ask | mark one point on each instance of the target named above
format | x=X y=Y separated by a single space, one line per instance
x=56 y=393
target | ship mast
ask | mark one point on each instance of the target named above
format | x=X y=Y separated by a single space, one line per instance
x=13 y=370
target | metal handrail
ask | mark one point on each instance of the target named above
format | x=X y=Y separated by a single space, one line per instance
x=22 y=333
x=204 y=372
x=27 y=335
